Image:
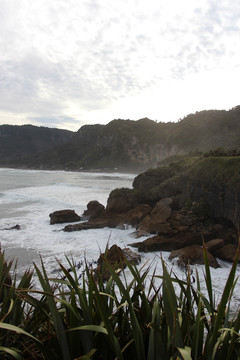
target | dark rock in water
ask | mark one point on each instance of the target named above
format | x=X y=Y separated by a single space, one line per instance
x=63 y=216
x=116 y=258
x=193 y=255
x=94 y=210
x=95 y=224
x=15 y=227
x=109 y=219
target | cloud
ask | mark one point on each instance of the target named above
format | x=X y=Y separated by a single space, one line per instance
x=67 y=60
x=54 y=121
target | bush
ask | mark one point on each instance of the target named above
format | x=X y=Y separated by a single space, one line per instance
x=116 y=319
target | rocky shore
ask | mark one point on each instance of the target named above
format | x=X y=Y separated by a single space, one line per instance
x=180 y=206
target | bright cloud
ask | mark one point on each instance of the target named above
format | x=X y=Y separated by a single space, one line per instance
x=65 y=64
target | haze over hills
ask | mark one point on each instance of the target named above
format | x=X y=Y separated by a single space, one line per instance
x=121 y=144
x=28 y=140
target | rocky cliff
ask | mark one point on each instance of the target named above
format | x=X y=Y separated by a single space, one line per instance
x=182 y=204
x=139 y=145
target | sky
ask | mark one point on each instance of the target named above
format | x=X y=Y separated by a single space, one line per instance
x=65 y=64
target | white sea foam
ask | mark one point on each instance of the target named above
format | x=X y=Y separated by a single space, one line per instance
x=28 y=197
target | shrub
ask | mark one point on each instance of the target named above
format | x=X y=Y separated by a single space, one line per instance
x=116 y=319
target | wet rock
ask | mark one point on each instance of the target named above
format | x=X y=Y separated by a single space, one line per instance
x=116 y=258
x=15 y=227
x=121 y=200
x=214 y=245
x=162 y=210
x=94 y=210
x=131 y=256
x=135 y=216
x=156 y=221
x=227 y=252
x=95 y=224
x=63 y=216
x=192 y=255
x=165 y=243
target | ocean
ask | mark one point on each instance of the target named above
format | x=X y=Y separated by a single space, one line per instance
x=27 y=197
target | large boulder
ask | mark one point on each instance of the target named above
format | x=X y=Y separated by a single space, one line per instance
x=156 y=221
x=63 y=216
x=192 y=255
x=94 y=210
x=135 y=216
x=228 y=252
x=122 y=200
x=166 y=243
x=214 y=245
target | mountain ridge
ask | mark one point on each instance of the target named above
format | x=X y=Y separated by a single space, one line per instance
x=136 y=145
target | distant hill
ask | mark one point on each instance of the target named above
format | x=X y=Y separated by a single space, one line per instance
x=138 y=145
x=17 y=142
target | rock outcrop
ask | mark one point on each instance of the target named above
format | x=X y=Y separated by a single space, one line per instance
x=63 y=216
x=198 y=202
x=94 y=210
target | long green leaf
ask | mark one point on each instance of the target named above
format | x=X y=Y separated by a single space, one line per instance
x=107 y=323
x=222 y=307
x=16 y=329
x=186 y=353
x=137 y=334
x=95 y=328
x=57 y=321
x=11 y=352
x=171 y=308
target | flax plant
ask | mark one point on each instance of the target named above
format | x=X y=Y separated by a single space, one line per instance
x=69 y=319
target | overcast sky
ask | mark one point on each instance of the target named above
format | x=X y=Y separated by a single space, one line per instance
x=69 y=63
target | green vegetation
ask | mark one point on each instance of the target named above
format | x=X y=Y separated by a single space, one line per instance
x=123 y=144
x=115 y=319
x=17 y=142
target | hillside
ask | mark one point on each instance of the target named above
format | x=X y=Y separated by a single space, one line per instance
x=138 y=145
x=16 y=142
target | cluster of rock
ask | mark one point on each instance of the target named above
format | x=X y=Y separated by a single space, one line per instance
x=181 y=232
x=178 y=206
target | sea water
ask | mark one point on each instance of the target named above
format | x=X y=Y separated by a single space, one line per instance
x=27 y=197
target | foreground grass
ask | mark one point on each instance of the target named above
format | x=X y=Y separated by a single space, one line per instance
x=115 y=319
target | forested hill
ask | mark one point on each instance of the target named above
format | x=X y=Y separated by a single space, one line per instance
x=138 y=145
x=27 y=140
